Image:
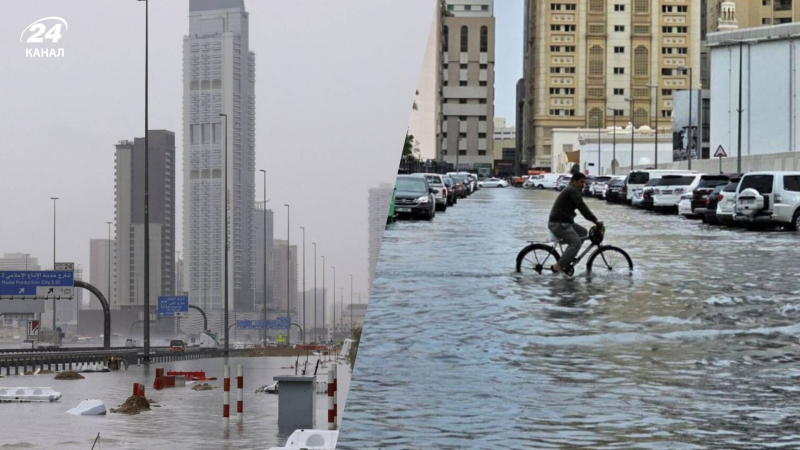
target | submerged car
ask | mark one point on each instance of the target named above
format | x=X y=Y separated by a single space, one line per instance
x=414 y=197
x=493 y=182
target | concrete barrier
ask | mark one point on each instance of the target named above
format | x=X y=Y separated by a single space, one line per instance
x=789 y=161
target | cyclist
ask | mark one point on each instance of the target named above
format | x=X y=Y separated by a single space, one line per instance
x=562 y=220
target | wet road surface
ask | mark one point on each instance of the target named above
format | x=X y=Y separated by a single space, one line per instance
x=698 y=349
x=186 y=419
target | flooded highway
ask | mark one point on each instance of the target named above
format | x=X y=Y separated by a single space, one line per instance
x=698 y=349
x=185 y=419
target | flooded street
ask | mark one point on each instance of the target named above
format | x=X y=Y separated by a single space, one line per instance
x=185 y=419
x=698 y=349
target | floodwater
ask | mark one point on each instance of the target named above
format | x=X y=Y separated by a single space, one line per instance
x=698 y=349
x=186 y=419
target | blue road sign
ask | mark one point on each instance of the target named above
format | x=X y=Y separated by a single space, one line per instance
x=281 y=323
x=250 y=324
x=36 y=284
x=169 y=305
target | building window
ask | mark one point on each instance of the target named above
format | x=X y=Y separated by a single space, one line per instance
x=481 y=135
x=481 y=83
x=666 y=50
x=666 y=92
x=619 y=28
x=666 y=9
x=569 y=7
x=462 y=83
x=619 y=91
x=444 y=83
x=666 y=113
x=464 y=39
x=666 y=72
x=619 y=8
x=481 y=152
x=619 y=112
x=619 y=50
x=569 y=91
x=482 y=118
x=462 y=66
x=570 y=112
x=555 y=7
x=445 y=39
x=641 y=67
x=467 y=7
x=570 y=28
x=596 y=61
x=462 y=118
x=462 y=135
x=640 y=117
x=555 y=27
x=462 y=152
x=569 y=70
x=666 y=30
x=596 y=6
x=555 y=70
x=683 y=30
x=484 y=66
x=484 y=7
x=619 y=71
x=683 y=9
x=462 y=101
x=641 y=6
x=683 y=50
x=766 y=21
x=554 y=91
x=555 y=49
x=595 y=118
x=482 y=101
x=484 y=39
x=569 y=49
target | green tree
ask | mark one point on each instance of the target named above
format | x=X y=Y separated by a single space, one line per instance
x=354 y=349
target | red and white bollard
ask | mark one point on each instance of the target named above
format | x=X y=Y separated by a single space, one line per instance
x=239 y=394
x=331 y=412
x=335 y=398
x=226 y=400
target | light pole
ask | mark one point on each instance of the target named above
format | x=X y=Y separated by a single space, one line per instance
x=351 y=302
x=146 y=327
x=333 y=334
x=324 y=325
x=315 y=288
x=288 y=283
x=658 y=111
x=108 y=292
x=227 y=231
x=599 y=150
x=739 y=144
x=633 y=125
x=264 y=333
x=304 y=282
x=688 y=70
x=55 y=341
x=614 y=145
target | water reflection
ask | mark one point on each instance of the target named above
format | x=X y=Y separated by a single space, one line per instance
x=696 y=350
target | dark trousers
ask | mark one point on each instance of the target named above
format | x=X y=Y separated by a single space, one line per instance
x=570 y=234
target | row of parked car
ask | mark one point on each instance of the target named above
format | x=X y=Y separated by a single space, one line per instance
x=756 y=199
x=421 y=195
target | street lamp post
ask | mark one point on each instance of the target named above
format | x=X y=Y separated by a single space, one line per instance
x=315 y=289
x=614 y=145
x=658 y=111
x=688 y=70
x=55 y=341
x=633 y=125
x=333 y=321
x=227 y=231
x=324 y=325
x=304 y=283
x=264 y=334
x=146 y=327
x=288 y=282
x=739 y=145
x=108 y=291
x=351 y=302
x=599 y=150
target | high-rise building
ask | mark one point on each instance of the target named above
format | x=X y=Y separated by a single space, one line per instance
x=19 y=261
x=724 y=15
x=379 y=200
x=264 y=222
x=505 y=139
x=280 y=270
x=467 y=54
x=218 y=78
x=129 y=204
x=424 y=116
x=587 y=61
x=102 y=271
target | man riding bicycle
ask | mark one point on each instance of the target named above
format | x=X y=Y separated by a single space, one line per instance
x=562 y=220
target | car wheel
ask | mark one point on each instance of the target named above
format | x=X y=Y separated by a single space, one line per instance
x=795 y=225
x=541 y=186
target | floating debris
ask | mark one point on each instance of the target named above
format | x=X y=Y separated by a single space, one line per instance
x=38 y=372
x=202 y=387
x=133 y=405
x=69 y=375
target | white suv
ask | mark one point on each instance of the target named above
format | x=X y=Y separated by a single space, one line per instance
x=772 y=198
x=667 y=193
x=726 y=200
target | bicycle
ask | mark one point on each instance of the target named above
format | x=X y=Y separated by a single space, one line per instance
x=537 y=254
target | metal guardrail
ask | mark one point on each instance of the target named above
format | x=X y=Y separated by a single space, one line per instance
x=60 y=360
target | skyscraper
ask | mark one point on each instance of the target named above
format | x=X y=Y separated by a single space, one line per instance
x=260 y=236
x=586 y=60
x=129 y=201
x=467 y=49
x=279 y=274
x=99 y=271
x=379 y=201
x=218 y=78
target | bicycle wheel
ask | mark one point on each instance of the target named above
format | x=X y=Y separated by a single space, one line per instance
x=537 y=257
x=610 y=259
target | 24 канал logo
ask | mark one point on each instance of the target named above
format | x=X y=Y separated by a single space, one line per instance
x=40 y=32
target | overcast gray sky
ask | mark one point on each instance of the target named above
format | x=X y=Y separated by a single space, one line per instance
x=334 y=87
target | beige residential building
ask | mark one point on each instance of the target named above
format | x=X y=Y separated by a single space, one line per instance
x=505 y=140
x=751 y=13
x=586 y=61
x=468 y=84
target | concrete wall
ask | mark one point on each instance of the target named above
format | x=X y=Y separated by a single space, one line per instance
x=789 y=161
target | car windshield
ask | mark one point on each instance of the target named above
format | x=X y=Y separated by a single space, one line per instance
x=602 y=179
x=731 y=187
x=712 y=182
x=761 y=183
x=676 y=180
x=411 y=185
x=652 y=182
x=638 y=177
x=432 y=179
x=718 y=189
x=616 y=183
x=175 y=343
x=448 y=181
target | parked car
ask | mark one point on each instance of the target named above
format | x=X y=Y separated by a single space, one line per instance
x=637 y=179
x=770 y=198
x=726 y=201
x=493 y=182
x=131 y=342
x=596 y=189
x=464 y=190
x=685 y=206
x=520 y=181
x=614 y=191
x=707 y=185
x=451 y=190
x=587 y=189
x=708 y=213
x=667 y=193
x=239 y=346
x=414 y=197
x=436 y=182
x=608 y=183
x=177 y=345
x=562 y=182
